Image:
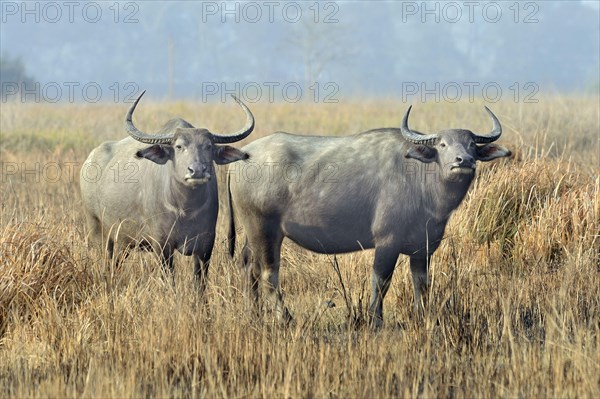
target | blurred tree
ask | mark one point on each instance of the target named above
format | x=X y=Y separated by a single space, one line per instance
x=13 y=74
x=319 y=45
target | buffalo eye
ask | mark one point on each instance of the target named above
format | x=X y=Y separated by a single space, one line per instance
x=178 y=146
x=443 y=145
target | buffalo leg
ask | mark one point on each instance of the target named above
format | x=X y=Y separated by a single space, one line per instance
x=268 y=257
x=249 y=263
x=383 y=270
x=201 y=264
x=115 y=254
x=252 y=284
x=93 y=235
x=110 y=250
x=167 y=262
x=418 y=268
x=252 y=269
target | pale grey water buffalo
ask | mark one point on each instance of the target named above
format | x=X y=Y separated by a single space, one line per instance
x=389 y=189
x=159 y=191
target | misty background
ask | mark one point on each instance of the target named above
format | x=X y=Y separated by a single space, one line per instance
x=338 y=49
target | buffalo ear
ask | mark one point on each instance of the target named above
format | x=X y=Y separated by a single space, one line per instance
x=226 y=154
x=421 y=153
x=157 y=153
x=492 y=151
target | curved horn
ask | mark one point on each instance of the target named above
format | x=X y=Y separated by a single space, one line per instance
x=141 y=136
x=414 y=136
x=495 y=133
x=240 y=134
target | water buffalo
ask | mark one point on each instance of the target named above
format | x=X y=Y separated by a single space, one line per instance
x=159 y=191
x=390 y=189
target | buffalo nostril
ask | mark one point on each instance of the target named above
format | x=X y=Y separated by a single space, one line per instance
x=465 y=160
x=191 y=170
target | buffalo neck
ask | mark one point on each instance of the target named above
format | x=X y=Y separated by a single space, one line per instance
x=182 y=197
x=448 y=194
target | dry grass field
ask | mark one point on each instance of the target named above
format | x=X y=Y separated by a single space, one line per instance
x=515 y=300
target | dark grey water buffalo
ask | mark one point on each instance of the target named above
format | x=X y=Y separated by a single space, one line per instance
x=159 y=191
x=389 y=189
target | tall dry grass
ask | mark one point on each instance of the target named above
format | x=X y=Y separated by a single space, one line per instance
x=515 y=298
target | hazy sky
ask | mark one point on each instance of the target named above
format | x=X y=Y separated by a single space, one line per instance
x=266 y=50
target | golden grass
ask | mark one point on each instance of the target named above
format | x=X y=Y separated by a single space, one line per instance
x=515 y=297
